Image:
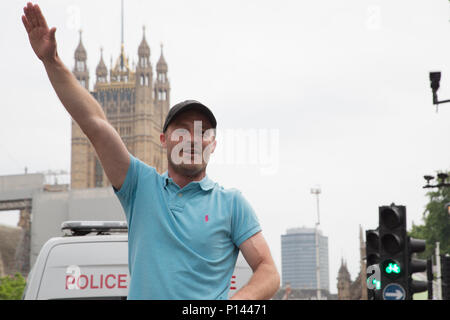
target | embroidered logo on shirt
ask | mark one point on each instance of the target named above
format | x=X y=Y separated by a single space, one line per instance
x=206 y=218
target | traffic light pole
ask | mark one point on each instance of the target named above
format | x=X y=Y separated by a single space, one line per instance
x=438 y=273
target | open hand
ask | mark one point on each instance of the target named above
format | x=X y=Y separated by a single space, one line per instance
x=42 y=39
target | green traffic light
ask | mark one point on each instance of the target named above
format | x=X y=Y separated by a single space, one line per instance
x=393 y=268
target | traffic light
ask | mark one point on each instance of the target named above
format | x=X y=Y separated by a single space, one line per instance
x=373 y=259
x=393 y=252
x=445 y=274
x=415 y=265
x=372 y=247
x=430 y=278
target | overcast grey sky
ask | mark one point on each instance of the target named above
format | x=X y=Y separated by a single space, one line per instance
x=341 y=87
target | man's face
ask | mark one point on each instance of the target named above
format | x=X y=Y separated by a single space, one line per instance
x=189 y=140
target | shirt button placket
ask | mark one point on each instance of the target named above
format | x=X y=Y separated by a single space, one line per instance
x=179 y=201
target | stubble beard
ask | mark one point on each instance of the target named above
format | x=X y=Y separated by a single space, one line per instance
x=190 y=170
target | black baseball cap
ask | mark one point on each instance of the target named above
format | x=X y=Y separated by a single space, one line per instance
x=188 y=105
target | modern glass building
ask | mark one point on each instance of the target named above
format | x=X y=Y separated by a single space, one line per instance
x=298 y=259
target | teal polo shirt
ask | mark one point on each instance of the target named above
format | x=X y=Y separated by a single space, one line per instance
x=182 y=242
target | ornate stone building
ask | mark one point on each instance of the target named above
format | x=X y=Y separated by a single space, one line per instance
x=353 y=290
x=135 y=103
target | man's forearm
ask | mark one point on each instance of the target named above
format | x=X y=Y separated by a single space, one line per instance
x=80 y=104
x=263 y=284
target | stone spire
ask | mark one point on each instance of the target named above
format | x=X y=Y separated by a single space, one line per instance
x=144 y=49
x=162 y=85
x=80 y=70
x=161 y=66
x=101 y=70
x=80 y=52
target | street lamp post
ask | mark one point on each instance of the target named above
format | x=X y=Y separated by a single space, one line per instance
x=317 y=192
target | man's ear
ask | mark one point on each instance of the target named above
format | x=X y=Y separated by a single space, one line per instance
x=214 y=143
x=162 y=139
x=209 y=150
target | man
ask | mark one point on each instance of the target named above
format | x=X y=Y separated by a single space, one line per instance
x=185 y=231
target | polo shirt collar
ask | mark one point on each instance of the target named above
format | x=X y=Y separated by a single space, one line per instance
x=206 y=183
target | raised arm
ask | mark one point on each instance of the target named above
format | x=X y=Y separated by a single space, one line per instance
x=80 y=104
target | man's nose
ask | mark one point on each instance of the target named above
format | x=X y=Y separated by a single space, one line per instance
x=196 y=137
x=193 y=141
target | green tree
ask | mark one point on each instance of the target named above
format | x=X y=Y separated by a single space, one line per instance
x=436 y=227
x=11 y=287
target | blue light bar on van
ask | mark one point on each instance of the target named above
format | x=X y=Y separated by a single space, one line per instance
x=79 y=228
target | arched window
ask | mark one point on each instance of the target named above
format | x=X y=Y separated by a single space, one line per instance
x=162 y=95
x=80 y=65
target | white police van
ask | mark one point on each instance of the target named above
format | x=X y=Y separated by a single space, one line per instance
x=91 y=262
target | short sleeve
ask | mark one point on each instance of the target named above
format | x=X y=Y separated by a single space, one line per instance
x=244 y=222
x=127 y=192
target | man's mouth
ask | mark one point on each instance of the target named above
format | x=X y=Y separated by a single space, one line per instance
x=191 y=152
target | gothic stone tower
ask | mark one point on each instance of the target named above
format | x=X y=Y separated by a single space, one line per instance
x=344 y=282
x=134 y=104
x=353 y=290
